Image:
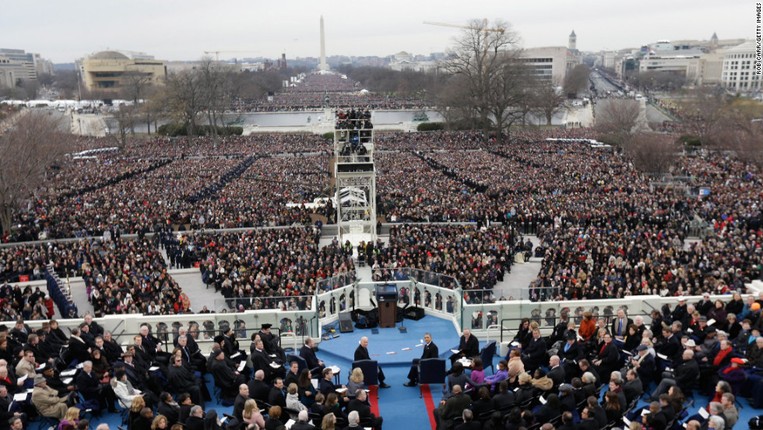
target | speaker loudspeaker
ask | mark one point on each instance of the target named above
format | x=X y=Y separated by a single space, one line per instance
x=345 y=322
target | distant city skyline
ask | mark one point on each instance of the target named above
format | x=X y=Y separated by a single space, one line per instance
x=183 y=29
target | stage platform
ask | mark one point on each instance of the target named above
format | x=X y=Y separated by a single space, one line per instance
x=389 y=346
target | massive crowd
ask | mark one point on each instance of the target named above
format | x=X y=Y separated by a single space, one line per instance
x=711 y=348
x=267 y=268
x=121 y=276
x=476 y=258
x=605 y=229
x=317 y=91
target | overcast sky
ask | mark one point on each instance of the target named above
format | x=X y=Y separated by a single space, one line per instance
x=63 y=30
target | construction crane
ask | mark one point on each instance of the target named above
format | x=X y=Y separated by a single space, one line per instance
x=217 y=53
x=483 y=27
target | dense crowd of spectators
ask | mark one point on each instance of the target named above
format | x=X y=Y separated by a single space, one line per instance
x=605 y=229
x=320 y=90
x=121 y=276
x=267 y=268
x=476 y=258
x=710 y=347
x=317 y=91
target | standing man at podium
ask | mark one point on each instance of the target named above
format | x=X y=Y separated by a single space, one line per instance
x=361 y=353
x=468 y=346
x=430 y=351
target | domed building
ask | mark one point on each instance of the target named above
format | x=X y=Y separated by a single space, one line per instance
x=106 y=72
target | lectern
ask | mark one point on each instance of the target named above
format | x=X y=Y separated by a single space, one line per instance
x=386 y=297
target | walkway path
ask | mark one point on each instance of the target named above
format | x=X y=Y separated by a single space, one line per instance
x=514 y=284
x=198 y=293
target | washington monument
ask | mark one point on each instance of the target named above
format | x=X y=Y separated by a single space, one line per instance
x=323 y=66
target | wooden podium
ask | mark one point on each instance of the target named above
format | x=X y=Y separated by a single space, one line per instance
x=386 y=297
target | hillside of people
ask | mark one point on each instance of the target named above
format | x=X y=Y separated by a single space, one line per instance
x=605 y=229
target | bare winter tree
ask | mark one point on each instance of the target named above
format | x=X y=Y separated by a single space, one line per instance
x=185 y=97
x=485 y=59
x=652 y=153
x=742 y=130
x=34 y=142
x=138 y=87
x=126 y=116
x=547 y=100
x=703 y=111
x=454 y=104
x=616 y=120
x=216 y=85
x=576 y=80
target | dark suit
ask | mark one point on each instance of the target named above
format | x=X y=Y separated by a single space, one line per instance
x=5 y=413
x=618 y=328
x=468 y=348
x=172 y=412
x=181 y=379
x=261 y=361
x=568 y=403
x=90 y=388
x=633 y=390
x=503 y=401
x=78 y=350
x=276 y=397
x=557 y=375
x=226 y=378
x=647 y=369
x=325 y=386
x=671 y=347
x=194 y=423
x=610 y=360
x=430 y=351
x=112 y=350
x=452 y=408
x=238 y=407
x=534 y=355
x=361 y=353
x=364 y=412
x=258 y=390
x=313 y=364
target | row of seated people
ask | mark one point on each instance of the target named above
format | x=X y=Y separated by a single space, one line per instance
x=251 y=266
x=298 y=399
x=91 y=371
x=731 y=365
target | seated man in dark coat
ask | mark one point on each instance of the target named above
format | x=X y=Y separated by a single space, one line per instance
x=182 y=380
x=504 y=399
x=451 y=408
x=78 y=349
x=430 y=351
x=258 y=388
x=535 y=354
x=262 y=361
x=90 y=387
x=468 y=346
x=644 y=364
x=238 y=404
x=633 y=387
x=360 y=404
x=195 y=421
x=276 y=397
x=226 y=378
x=361 y=353
x=270 y=342
x=315 y=365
